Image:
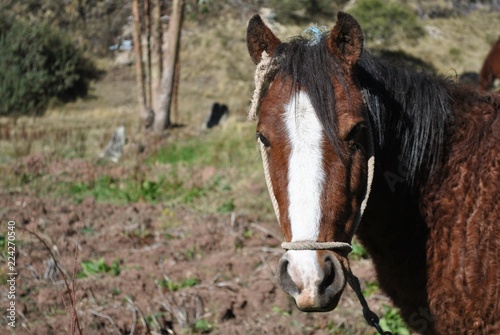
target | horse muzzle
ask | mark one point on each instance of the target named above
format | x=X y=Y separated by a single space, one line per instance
x=314 y=278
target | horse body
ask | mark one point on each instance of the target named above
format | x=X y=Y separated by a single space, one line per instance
x=435 y=249
x=407 y=161
x=491 y=67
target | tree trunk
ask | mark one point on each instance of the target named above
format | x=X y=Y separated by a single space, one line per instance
x=162 y=115
x=139 y=66
x=147 y=30
x=157 y=52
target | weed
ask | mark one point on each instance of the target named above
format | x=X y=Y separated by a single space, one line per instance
x=203 y=326
x=370 y=288
x=108 y=189
x=193 y=193
x=392 y=321
x=358 y=251
x=88 y=230
x=151 y=319
x=115 y=291
x=173 y=286
x=226 y=207
x=248 y=233
x=190 y=253
x=3 y=249
x=280 y=311
x=95 y=267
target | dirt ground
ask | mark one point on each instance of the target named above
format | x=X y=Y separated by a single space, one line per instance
x=163 y=270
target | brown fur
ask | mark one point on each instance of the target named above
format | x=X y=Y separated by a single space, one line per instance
x=442 y=266
x=491 y=67
x=458 y=203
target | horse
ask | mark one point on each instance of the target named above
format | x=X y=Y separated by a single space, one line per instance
x=407 y=161
x=491 y=67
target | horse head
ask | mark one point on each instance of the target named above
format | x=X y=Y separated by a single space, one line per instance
x=316 y=143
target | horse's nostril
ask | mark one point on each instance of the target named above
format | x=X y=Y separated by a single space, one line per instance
x=328 y=274
x=284 y=279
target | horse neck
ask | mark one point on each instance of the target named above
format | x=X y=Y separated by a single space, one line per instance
x=392 y=219
x=402 y=193
x=394 y=233
x=409 y=114
x=426 y=130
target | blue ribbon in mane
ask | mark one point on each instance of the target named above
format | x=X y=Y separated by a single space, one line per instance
x=314 y=34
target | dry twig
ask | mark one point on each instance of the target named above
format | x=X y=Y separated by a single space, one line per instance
x=107 y=317
x=75 y=322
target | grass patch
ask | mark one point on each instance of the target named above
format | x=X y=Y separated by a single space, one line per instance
x=203 y=326
x=173 y=286
x=177 y=152
x=358 y=251
x=227 y=207
x=92 y=268
x=3 y=243
x=106 y=188
x=221 y=148
x=128 y=190
x=393 y=322
x=280 y=311
x=211 y=172
x=370 y=288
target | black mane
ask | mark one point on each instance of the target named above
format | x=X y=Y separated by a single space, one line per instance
x=407 y=109
x=410 y=109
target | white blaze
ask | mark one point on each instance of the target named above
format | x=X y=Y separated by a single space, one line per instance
x=305 y=168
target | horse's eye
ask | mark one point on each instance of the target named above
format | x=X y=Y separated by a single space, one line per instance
x=263 y=139
x=356 y=137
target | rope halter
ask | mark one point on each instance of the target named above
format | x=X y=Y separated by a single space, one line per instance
x=342 y=247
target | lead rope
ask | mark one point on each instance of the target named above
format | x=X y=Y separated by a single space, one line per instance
x=371 y=318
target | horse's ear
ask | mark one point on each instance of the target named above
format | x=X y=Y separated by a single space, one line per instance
x=260 y=38
x=346 y=39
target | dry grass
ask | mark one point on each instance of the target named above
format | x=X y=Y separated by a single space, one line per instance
x=456 y=45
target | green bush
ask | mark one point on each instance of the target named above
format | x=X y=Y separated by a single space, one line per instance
x=38 y=63
x=301 y=11
x=386 y=21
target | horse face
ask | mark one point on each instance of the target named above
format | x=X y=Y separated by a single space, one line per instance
x=319 y=187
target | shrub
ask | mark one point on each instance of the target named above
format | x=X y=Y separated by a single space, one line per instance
x=38 y=63
x=386 y=22
x=305 y=10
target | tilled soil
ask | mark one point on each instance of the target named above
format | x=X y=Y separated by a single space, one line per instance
x=166 y=271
